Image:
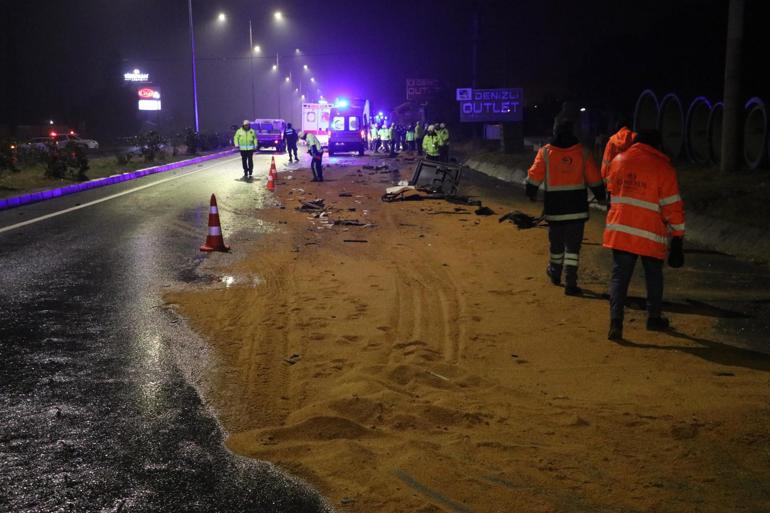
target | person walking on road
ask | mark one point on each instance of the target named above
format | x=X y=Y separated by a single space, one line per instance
x=316 y=152
x=374 y=138
x=384 y=134
x=394 y=139
x=409 y=138
x=645 y=210
x=618 y=143
x=430 y=144
x=290 y=138
x=419 y=133
x=566 y=170
x=245 y=139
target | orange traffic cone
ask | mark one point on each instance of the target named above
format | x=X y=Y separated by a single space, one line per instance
x=271 y=175
x=272 y=165
x=214 y=241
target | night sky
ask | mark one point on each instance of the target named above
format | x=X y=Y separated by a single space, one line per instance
x=62 y=59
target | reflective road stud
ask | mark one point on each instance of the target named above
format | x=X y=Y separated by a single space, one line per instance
x=214 y=241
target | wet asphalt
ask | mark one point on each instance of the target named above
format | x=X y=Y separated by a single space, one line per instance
x=96 y=414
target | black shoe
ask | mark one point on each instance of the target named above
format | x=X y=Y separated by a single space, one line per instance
x=616 y=330
x=572 y=290
x=657 y=323
x=555 y=279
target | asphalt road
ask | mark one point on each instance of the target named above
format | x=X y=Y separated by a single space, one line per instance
x=95 y=413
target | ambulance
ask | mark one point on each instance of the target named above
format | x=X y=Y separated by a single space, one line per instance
x=315 y=120
x=348 y=126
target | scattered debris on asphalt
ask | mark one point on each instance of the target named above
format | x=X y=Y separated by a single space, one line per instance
x=291 y=360
x=484 y=211
x=354 y=240
x=521 y=220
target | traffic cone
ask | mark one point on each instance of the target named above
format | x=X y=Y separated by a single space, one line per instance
x=214 y=240
x=272 y=175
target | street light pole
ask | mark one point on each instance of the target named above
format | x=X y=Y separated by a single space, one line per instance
x=194 y=71
x=251 y=54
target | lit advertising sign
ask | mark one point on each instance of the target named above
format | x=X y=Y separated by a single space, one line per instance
x=136 y=76
x=422 y=88
x=149 y=98
x=490 y=104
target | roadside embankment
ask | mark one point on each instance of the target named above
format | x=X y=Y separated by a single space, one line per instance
x=729 y=214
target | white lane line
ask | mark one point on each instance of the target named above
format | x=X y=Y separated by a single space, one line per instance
x=107 y=198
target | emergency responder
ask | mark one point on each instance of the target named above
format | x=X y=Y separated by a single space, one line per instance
x=316 y=152
x=374 y=137
x=430 y=143
x=245 y=139
x=384 y=134
x=645 y=210
x=419 y=133
x=290 y=138
x=566 y=169
x=395 y=136
x=443 y=144
x=618 y=143
x=409 y=138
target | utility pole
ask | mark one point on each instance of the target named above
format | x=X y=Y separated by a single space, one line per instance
x=194 y=71
x=251 y=55
x=733 y=106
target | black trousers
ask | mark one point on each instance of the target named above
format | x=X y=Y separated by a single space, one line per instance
x=622 y=269
x=292 y=149
x=316 y=166
x=565 y=238
x=247 y=159
x=419 y=145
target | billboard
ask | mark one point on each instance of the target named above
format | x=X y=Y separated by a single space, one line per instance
x=490 y=104
x=136 y=76
x=149 y=97
x=422 y=88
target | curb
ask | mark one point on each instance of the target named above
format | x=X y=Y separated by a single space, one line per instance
x=35 y=197
x=723 y=236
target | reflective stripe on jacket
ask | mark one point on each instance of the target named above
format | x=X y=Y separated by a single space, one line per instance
x=566 y=174
x=617 y=144
x=410 y=135
x=385 y=134
x=430 y=144
x=245 y=139
x=646 y=206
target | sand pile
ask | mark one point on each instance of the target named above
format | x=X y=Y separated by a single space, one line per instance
x=434 y=368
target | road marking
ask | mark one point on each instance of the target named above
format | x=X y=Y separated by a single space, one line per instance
x=107 y=198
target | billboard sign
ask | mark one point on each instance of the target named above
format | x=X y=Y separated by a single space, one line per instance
x=136 y=76
x=422 y=88
x=149 y=98
x=490 y=104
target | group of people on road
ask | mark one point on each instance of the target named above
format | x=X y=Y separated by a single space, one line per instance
x=431 y=140
x=245 y=140
x=645 y=217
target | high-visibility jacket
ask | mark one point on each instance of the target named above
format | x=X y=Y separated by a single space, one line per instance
x=566 y=174
x=245 y=139
x=419 y=132
x=646 y=206
x=410 y=135
x=430 y=144
x=443 y=136
x=373 y=133
x=618 y=143
x=385 y=134
x=313 y=144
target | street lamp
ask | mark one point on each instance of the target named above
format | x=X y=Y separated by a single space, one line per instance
x=278 y=15
x=194 y=72
x=305 y=67
x=222 y=17
x=257 y=49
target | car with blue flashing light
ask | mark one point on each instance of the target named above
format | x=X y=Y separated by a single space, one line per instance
x=269 y=133
x=348 y=126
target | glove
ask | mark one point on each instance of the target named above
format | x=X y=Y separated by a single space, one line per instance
x=531 y=191
x=676 y=253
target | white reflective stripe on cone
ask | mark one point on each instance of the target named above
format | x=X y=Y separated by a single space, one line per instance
x=213 y=210
x=638 y=232
x=215 y=230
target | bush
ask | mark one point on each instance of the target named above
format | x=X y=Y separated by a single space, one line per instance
x=151 y=144
x=71 y=159
x=8 y=155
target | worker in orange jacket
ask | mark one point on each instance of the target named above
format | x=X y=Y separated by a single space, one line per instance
x=566 y=170
x=618 y=143
x=646 y=209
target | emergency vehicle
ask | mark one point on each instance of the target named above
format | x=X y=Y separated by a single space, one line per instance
x=348 y=126
x=315 y=120
x=269 y=133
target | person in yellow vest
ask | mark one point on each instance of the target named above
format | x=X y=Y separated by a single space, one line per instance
x=430 y=144
x=316 y=152
x=443 y=142
x=245 y=139
x=419 y=133
x=373 y=138
x=384 y=133
x=410 y=138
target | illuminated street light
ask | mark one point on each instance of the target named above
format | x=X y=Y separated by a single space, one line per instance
x=257 y=49
x=287 y=79
x=278 y=15
x=222 y=17
x=312 y=79
x=297 y=51
x=50 y=122
x=305 y=67
x=302 y=97
x=275 y=67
